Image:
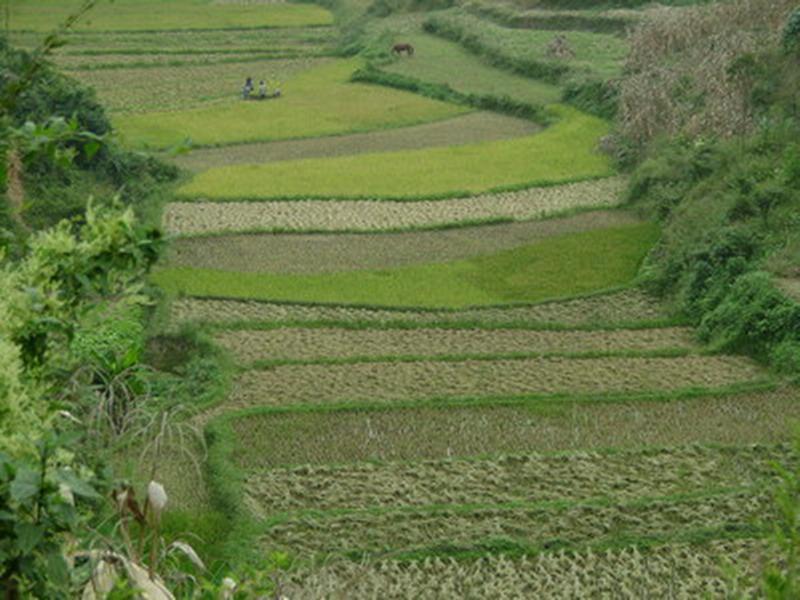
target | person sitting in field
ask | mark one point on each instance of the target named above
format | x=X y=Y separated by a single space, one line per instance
x=247 y=88
x=262 y=90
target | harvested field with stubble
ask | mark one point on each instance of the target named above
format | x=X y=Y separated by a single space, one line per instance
x=679 y=570
x=287 y=344
x=533 y=478
x=324 y=253
x=277 y=439
x=393 y=382
x=143 y=89
x=628 y=306
x=530 y=527
x=195 y=218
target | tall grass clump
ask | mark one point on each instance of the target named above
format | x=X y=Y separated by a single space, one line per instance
x=692 y=71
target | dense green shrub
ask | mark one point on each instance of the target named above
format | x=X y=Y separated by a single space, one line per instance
x=598 y=98
x=384 y=8
x=753 y=316
x=110 y=338
x=791 y=31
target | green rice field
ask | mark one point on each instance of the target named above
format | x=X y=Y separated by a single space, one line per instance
x=564 y=151
x=586 y=262
x=318 y=102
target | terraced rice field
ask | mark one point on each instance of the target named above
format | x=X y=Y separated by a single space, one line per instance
x=321 y=253
x=317 y=102
x=674 y=570
x=593 y=54
x=305 y=344
x=395 y=381
x=565 y=151
x=144 y=15
x=629 y=306
x=276 y=438
x=436 y=392
x=439 y=61
x=464 y=129
x=194 y=218
x=592 y=260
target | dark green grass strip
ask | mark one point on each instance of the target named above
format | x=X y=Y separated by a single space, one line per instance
x=545 y=403
x=243 y=325
x=473 y=356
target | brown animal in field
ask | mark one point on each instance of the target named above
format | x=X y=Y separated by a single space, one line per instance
x=398 y=49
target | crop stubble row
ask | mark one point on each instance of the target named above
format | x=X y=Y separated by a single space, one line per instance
x=433 y=433
x=669 y=571
x=389 y=382
x=320 y=534
x=317 y=343
x=621 y=307
x=532 y=478
x=197 y=217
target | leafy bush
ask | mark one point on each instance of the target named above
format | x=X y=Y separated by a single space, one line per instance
x=598 y=98
x=384 y=8
x=754 y=316
x=110 y=337
x=791 y=31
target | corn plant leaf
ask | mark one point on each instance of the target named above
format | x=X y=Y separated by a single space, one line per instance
x=26 y=486
x=28 y=536
x=76 y=485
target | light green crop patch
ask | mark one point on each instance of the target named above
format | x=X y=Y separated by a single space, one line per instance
x=154 y=15
x=318 y=102
x=565 y=151
x=562 y=266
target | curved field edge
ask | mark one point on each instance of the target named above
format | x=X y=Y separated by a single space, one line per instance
x=560 y=266
x=462 y=129
x=315 y=103
x=303 y=215
x=565 y=151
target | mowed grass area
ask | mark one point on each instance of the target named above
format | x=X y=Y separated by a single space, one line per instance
x=439 y=61
x=317 y=102
x=564 y=151
x=560 y=266
x=133 y=15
